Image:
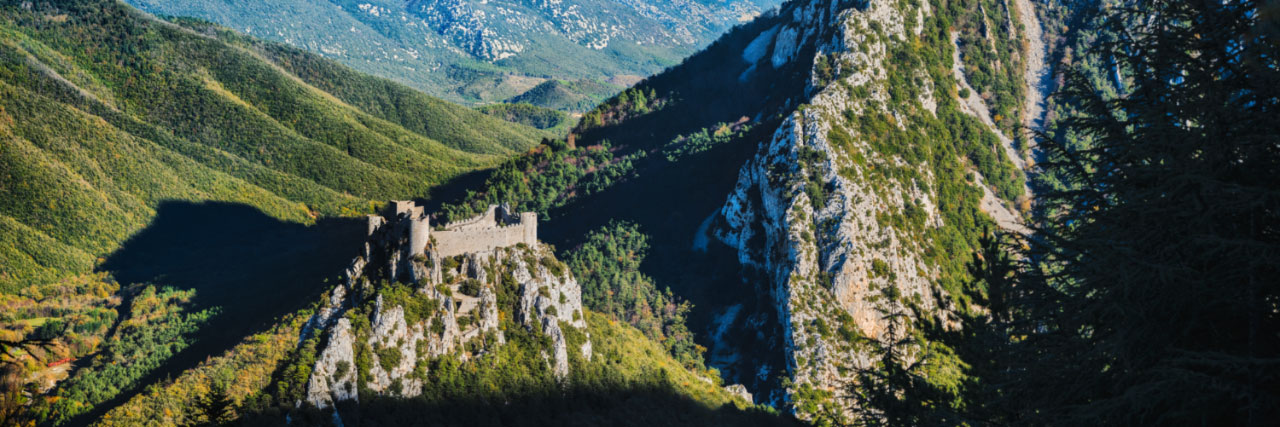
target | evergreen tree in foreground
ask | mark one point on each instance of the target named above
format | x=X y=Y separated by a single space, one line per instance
x=214 y=408
x=1154 y=297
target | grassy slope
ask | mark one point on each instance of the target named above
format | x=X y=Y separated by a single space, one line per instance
x=105 y=112
x=625 y=349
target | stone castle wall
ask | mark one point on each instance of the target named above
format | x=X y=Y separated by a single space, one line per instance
x=496 y=228
x=457 y=242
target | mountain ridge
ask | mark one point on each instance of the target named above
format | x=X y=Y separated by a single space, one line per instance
x=482 y=51
x=836 y=174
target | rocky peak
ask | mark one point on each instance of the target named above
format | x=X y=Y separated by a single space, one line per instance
x=450 y=308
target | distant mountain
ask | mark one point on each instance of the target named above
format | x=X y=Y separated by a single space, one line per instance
x=480 y=51
x=106 y=112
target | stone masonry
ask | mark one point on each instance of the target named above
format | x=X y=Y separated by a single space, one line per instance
x=496 y=228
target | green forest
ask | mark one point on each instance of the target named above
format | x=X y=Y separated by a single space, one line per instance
x=179 y=202
x=114 y=112
x=1142 y=298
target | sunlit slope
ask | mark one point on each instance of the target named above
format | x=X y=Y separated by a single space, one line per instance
x=105 y=112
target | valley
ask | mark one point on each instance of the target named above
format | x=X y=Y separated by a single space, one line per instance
x=564 y=55
x=668 y=212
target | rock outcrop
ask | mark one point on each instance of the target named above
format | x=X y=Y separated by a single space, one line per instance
x=334 y=376
x=423 y=306
x=548 y=300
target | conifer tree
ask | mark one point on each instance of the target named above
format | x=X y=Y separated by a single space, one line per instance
x=1152 y=298
x=214 y=408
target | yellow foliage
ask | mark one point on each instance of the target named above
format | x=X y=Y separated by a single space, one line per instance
x=248 y=366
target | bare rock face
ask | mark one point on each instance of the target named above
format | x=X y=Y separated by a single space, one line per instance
x=546 y=295
x=393 y=337
x=547 y=300
x=833 y=259
x=487 y=314
x=740 y=391
x=830 y=259
x=334 y=376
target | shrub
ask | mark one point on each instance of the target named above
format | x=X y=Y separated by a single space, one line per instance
x=879 y=268
x=388 y=357
x=470 y=287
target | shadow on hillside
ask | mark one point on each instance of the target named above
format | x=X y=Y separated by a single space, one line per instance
x=575 y=406
x=675 y=201
x=254 y=267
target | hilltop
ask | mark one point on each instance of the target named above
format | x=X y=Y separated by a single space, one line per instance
x=468 y=322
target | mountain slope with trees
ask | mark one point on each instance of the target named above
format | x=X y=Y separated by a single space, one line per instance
x=804 y=208
x=106 y=112
x=809 y=183
x=474 y=51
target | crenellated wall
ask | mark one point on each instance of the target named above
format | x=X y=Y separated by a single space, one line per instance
x=457 y=242
x=496 y=228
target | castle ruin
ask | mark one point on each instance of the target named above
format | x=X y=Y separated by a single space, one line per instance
x=496 y=228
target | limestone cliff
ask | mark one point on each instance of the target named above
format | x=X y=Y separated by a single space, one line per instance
x=845 y=208
x=381 y=328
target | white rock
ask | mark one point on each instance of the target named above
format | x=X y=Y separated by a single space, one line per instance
x=784 y=46
x=325 y=386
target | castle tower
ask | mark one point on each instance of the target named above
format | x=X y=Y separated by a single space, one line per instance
x=529 y=221
x=402 y=207
x=419 y=233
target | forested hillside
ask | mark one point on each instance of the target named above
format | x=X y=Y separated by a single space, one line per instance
x=843 y=212
x=567 y=54
x=105 y=113
x=205 y=176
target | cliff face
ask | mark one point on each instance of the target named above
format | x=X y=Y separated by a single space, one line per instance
x=826 y=255
x=382 y=327
x=838 y=152
x=844 y=209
